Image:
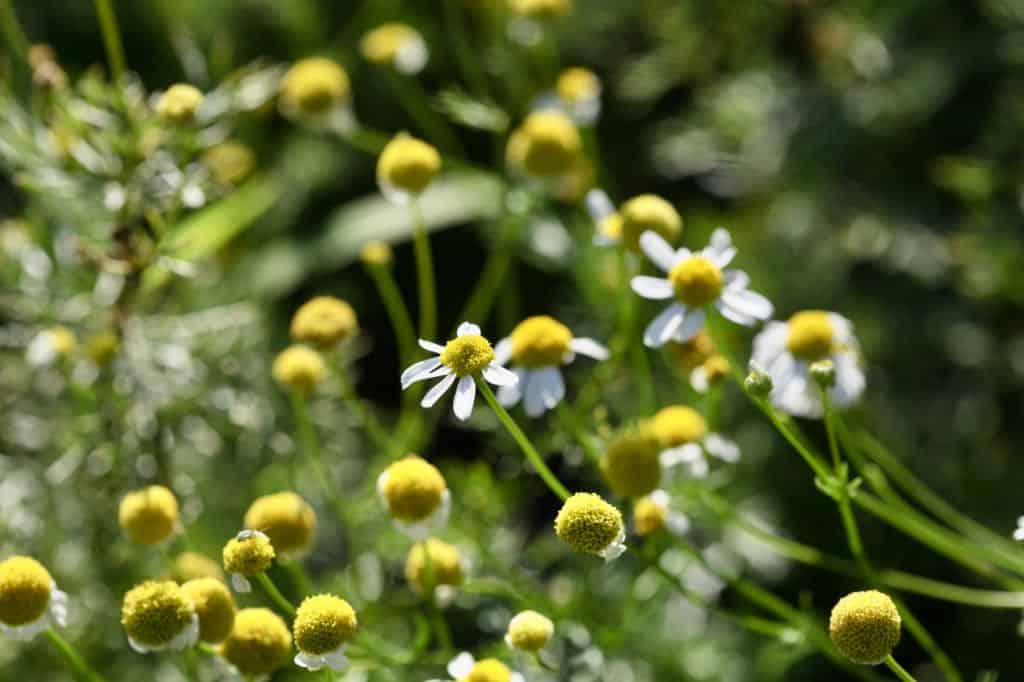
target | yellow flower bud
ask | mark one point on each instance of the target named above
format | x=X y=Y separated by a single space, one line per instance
x=179 y=103
x=677 y=425
x=396 y=45
x=577 y=84
x=377 y=254
x=323 y=322
x=259 y=644
x=529 y=631
x=412 y=488
x=649 y=515
x=313 y=86
x=25 y=590
x=691 y=354
x=445 y=565
x=865 y=627
x=249 y=553
x=589 y=524
x=287 y=519
x=406 y=166
x=649 y=212
x=299 y=368
x=323 y=623
x=149 y=516
x=191 y=566
x=215 y=608
x=550 y=144
x=159 y=615
x=631 y=463
x=229 y=162
x=102 y=347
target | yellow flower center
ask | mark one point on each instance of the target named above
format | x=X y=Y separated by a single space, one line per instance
x=587 y=523
x=154 y=613
x=649 y=212
x=467 y=354
x=323 y=623
x=214 y=606
x=717 y=368
x=382 y=44
x=540 y=341
x=648 y=516
x=697 y=281
x=530 y=631
x=811 y=335
x=413 y=488
x=408 y=164
x=249 y=554
x=25 y=587
x=865 y=627
x=489 y=670
x=631 y=465
x=576 y=84
x=677 y=425
x=287 y=519
x=445 y=565
x=259 y=644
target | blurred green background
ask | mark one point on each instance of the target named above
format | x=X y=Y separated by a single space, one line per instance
x=867 y=157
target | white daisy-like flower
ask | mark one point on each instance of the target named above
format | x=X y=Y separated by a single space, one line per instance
x=49 y=345
x=786 y=350
x=416 y=496
x=655 y=511
x=56 y=614
x=537 y=348
x=1018 y=534
x=463 y=665
x=607 y=221
x=709 y=373
x=685 y=439
x=467 y=355
x=696 y=280
x=695 y=455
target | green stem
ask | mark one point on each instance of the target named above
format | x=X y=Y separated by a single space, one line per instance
x=275 y=594
x=424 y=275
x=398 y=313
x=465 y=59
x=73 y=658
x=111 y=39
x=524 y=443
x=12 y=29
x=640 y=363
x=898 y=670
x=328 y=675
x=359 y=406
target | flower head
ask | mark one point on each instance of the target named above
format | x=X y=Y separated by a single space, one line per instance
x=445 y=566
x=710 y=373
x=683 y=438
x=299 y=368
x=589 y=524
x=102 y=347
x=324 y=625
x=29 y=599
x=786 y=352
x=323 y=322
x=696 y=281
x=416 y=495
x=259 y=644
x=465 y=668
x=651 y=513
x=396 y=45
x=313 y=87
x=191 y=566
x=865 y=627
x=158 y=616
x=579 y=90
x=693 y=353
x=537 y=348
x=50 y=345
x=529 y=631
x=630 y=463
x=547 y=144
x=179 y=103
x=229 y=162
x=247 y=554
x=678 y=425
x=214 y=607
x=377 y=254
x=287 y=519
x=149 y=516
x=466 y=356
x=405 y=167
x=649 y=213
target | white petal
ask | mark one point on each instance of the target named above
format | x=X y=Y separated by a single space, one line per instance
x=465 y=394
x=736 y=279
x=699 y=468
x=615 y=549
x=691 y=325
x=552 y=386
x=503 y=351
x=799 y=396
x=734 y=316
x=517 y=677
x=499 y=376
x=722 y=448
x=533 y=394
x=654 y=288
x=599 y=206
x=310 y=662
x=438 y=390
x=510 y=395
x=461 y=665
x=418 y=371
x=658 y=250
x=749 y=303
x=721 y=239
x=769 y=344
x=677 y=523
x=431 y=346
x=468 y=329
x=240 y=583
x=720 y=251
x=588 y=347
x=59 y=606
x=699 y=379
x=850 y=380
x=687 y=453
x=661 y=328
x=1018 y=534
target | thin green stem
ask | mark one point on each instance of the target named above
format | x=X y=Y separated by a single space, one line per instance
x=275 y=594
x=398 y=313
x=639 y=362
x=424 y=274
x=328 y=675
x=898 y=670
x=111 y=39
x=359 y=406
x=467 y=62
x=524 y=443
x=74 y=660
x=12 y=29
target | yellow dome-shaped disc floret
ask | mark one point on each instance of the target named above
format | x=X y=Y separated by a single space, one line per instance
x=811 y=335
x=324 y=321
x=540 y=341
x=323 y=623
x=467 y=354
x=214 y=606
x=649 y=212
x=287 y=519
x=158 y=615
x=25 y=590
x=577 y=84
x=179 y=103
x=407 y=164
x=445 y=565
x=631 y=463
x=192 y=566
x=149 y=516
x=377 y=254
x=259 y=644
x=697 y=281
x=102 y=347
x=489 y=670
x=248 y=553
x=649 y=515
x=550 y=142
x=299 y=368
x=229 y=162
x=541 y=9
x=413 y=488
x=396 y=45
x=677 y=425
x=865 y=627
x=691 y=354
x=529 y=631
x=589 y=524
x=313 y=86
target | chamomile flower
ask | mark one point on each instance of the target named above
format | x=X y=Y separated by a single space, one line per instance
x=529 y=631
x=179 y=103
x=607 y=221
x=537 y=348
x=406 y=166
x=631 y=464
x=684 y=439
x=396 y=45
x=323 y=322
x=149 y=516
x=214 y=607
x=653 y=512
x=696 y=281
x=865 y=627
x=434 y=565
x=463 y=358
x=465 y=668
x=416 y=495
x=323 y=627
x=259 y=644
x=287 y=519
x=159 y=616
x=787 y=350
x=50 y=345
x=313 y=89
x=247 y=554
x=29 y=599
x=547 y=145
x=579 y=91
x=590 y=525
x=709 y=373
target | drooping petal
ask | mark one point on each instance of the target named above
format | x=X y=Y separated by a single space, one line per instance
x=510 y=395
x=658 y=250
x=418 y=371
x=722 y=448
x=499 y=376
x=437 y=390
x=552 y=386
x=733 y=316
x=654 y=288
x=461 y=665
x=468 y=329
x=736 y=279
x=850 y=380
x=589 y=347
x=465 y=394
x=690 y=327
x=662 y=327
x=533 y=394
x=503 y=351
x=431 y=346
x=749 y=303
